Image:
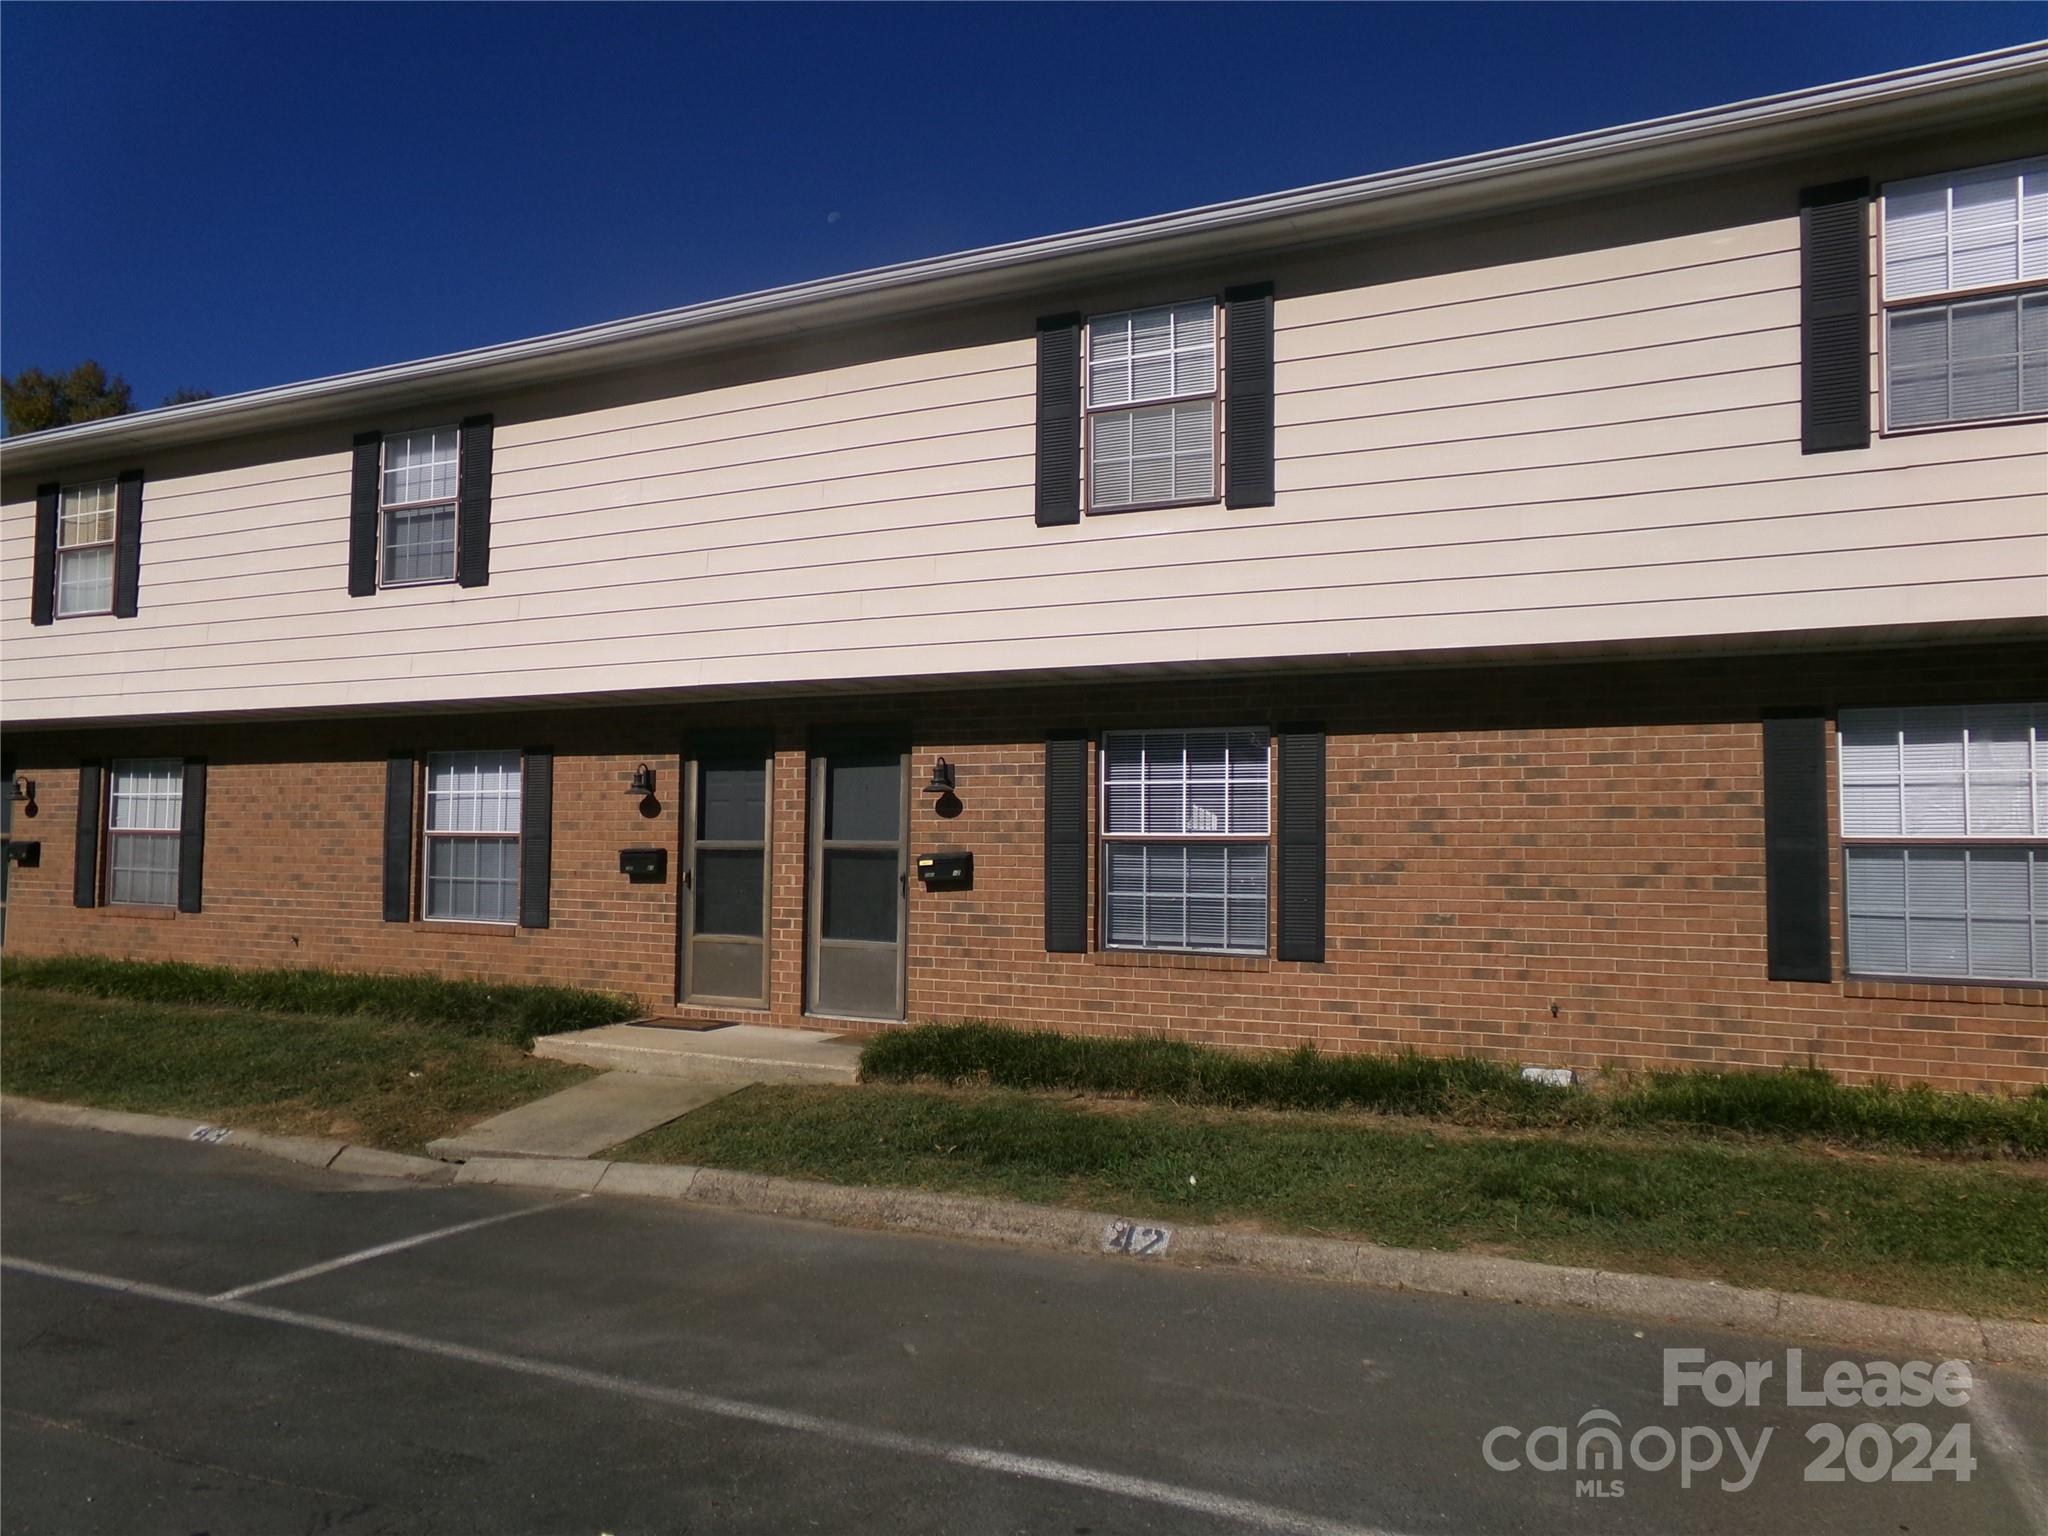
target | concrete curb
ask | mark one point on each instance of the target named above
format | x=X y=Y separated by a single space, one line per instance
x=1899 y=1330
x=313 y=1153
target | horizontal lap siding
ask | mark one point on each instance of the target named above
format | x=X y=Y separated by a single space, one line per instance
x=1593 y=444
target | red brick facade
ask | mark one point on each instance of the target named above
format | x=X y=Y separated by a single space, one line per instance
x=1560 y=864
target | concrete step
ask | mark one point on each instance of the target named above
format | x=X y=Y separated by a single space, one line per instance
x=738 y=1053
x=583 y=1120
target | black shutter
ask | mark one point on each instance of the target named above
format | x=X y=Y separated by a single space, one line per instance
x=85 y=873
x=1066 y=843
x=127 y=543
x=536 y=835
x=1059 y=420
x=192 y=836
x=43 y=596
x=1300 y=848
x=1834 y=318
x=398 y=778
x=1248 y=395
x=473 y=505
x=364 y=473
x=1796 y=848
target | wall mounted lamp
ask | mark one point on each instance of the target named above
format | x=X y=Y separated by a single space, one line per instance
x=25 y=789
x=643 y=781
x=942 y=779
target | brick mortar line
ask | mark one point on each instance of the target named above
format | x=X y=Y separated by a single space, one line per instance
x=1519 y=1281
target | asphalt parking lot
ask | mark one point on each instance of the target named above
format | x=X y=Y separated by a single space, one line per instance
x=201 y=1340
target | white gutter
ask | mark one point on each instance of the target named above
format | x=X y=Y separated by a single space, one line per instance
x=1766 y=125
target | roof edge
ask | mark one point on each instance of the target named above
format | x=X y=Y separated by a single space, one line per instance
x=1788 y=117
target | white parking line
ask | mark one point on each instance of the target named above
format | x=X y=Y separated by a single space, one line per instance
x=381 y=1249
x=1246 y=1512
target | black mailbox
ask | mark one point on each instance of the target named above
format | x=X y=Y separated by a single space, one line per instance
x=644 y=866
x=27 y=855
x=952 y=870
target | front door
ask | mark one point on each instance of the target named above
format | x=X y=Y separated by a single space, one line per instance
x=860 y=790
x=725 y=872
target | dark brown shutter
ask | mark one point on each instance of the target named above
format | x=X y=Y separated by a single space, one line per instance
x=1066 y=843
x=192 y=836
x=1300 y=847
x=473 y=505
x=127 y=543
x=85 y=872
x=364 y=473
x=398 y=781
x=1796 y=848
x=42 y=597
x=536 y=835
x=1248 y=395
x=1059 y=420
x=1834 y=317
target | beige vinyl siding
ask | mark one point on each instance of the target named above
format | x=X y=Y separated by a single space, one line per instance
x=1596 y=444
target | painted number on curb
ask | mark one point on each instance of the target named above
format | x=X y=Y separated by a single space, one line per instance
x=1140 y=1242
x=212 y=1135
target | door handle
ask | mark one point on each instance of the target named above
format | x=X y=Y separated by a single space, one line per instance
x=686 y=878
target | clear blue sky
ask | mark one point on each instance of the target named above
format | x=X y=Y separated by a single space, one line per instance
x=230 y=196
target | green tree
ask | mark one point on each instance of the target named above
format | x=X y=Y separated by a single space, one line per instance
x=34 y=400
x=185 y=394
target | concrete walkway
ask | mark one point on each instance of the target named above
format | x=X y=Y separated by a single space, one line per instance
x=584 y=1120
x=738 y=1053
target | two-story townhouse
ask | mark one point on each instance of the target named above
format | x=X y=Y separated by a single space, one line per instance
x=1583 y=603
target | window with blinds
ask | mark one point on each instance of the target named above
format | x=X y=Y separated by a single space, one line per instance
x=421 y=474
x=1944 y=816
x=1186 y=833
x=1151 y=407
x=1966 y=296
x=145 y=810
x=472 y=837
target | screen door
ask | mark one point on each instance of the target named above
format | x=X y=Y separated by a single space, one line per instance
x=725 y=873
x=858 y=877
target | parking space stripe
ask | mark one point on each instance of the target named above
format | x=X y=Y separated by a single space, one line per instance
x=378 y=1252
x=1245 y=1512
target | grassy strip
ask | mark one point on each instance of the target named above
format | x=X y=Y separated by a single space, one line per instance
x=1903 y=1232
x=487 y=1010
x=369 y=1081
x=1463 y=1090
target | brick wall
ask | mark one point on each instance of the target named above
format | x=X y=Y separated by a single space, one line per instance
x=1558 y=864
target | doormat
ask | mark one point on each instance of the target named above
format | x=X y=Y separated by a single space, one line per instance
x=693 y=1026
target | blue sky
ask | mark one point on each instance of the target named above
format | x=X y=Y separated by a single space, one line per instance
x=230 y=196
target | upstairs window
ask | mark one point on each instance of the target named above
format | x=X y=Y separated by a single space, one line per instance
x=1186 y=829
x=145 y=814
x=1945 y=841
x=1151 y=407
x=85 y=549
x=1966 y=296
x=471 y=861
x=417 y=506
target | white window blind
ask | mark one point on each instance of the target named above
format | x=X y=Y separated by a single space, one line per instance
x=85 y=548
x=1945 y=812
x=1186 y=823
x=145 y=810
x=1152 y=406
x=1964 y=913
x=421 y=475
x=472 y=836
x=1980 y=771
x=1969 y=355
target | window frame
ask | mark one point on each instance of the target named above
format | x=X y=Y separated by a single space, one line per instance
x=112 y=834
x=1104 y=839
x=110 y=543
x=428 y=835
x=1848 y=844
x=1090 y=411
x=1947 y=298
x=386 y=508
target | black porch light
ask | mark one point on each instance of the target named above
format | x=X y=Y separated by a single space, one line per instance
x=942 y=779
x=643 y=781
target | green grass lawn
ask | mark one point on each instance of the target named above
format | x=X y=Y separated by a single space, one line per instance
x=364 y=1078
x=1907 y=1231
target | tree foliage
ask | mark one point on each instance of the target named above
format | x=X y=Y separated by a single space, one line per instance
x=35 y=401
